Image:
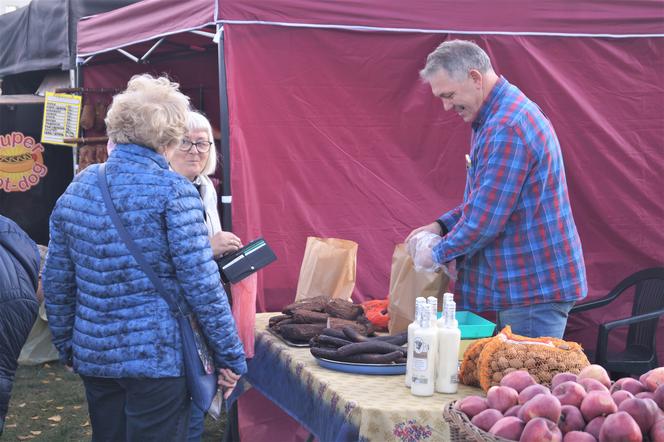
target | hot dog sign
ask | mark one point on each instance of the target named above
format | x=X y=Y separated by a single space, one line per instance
x=21 y=162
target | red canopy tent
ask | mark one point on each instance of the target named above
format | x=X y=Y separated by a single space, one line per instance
x=329 y=132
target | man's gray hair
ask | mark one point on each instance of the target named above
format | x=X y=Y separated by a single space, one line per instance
x=457 y=58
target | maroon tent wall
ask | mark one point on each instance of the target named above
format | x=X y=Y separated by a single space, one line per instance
x=332 y=134
x=193 y=73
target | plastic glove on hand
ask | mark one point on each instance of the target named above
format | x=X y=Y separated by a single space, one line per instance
x=420 y=248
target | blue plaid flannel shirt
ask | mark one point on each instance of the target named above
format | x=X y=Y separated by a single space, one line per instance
x=514 y=233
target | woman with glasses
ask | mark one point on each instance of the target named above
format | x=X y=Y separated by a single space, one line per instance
x=108 y=320
x=195 y=158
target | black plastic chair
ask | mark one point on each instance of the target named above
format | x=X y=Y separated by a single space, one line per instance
x=640 y=354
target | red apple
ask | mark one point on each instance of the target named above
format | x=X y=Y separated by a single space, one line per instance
x=595 y=425
x=527 y=393
x=571 y=419
x=659 y=397
x=513 y=411
x=472 y=405
x=570 y=393
x=657 y=431
x=541 y=430
x=620 y=427
x=643 y=411
x=508 y=427
x=542 y=405
x=596 y=372
x=645 y=395
x=653 y=379
x=621 y=395
x=562 y=377
x=579 y=436
x=590 y=384
x=486 y=419
x=517 y=380
x=501 y=398
x=597 y=403
x=628 y=384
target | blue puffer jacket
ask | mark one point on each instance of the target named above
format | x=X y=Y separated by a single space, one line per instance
x=104 y=313
x=19 y=272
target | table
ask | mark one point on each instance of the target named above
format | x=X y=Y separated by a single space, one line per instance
x=338 y=406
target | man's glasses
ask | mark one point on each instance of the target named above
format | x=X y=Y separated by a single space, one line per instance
x=201 y=146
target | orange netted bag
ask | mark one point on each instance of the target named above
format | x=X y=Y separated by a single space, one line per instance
x=543 y=358
x=376 y=312
x=468 y=371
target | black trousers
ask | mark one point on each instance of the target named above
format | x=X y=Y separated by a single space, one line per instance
x=17 y=315
x=138 y=409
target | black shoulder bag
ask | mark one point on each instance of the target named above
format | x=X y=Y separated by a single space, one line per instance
x=198 y=364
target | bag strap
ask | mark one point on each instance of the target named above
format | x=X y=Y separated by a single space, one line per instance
x=131 y=244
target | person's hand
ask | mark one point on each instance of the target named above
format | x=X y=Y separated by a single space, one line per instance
x=420 y=247
x=69 y=368
x=227 y=380
x=434 y=227
x=224 y=242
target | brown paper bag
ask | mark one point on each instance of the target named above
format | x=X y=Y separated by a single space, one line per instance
x=406 y=284
x=328 y=269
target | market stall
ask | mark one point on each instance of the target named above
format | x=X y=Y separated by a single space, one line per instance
x=326 y=130
x=330 y=133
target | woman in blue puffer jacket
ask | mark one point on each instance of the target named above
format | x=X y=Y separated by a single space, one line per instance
x=19 y=271
x=108 y=321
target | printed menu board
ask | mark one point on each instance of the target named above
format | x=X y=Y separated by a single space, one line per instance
x=62 y=113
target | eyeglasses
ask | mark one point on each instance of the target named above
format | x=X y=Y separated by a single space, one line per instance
x=201 y=146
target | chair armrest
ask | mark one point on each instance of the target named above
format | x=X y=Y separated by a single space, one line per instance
x=653 y=273
x=593 y=304
x=605 y=329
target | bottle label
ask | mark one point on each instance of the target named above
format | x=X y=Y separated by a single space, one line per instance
x=454 y=379
x=420 y=354
x=419 y=364
x=420 y=379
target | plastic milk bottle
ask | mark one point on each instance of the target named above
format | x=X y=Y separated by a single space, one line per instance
x=425 y=347
x=449 y=338
x=419 y=303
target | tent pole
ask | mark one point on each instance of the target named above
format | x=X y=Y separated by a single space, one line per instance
x=226 y=197
x=75 y=80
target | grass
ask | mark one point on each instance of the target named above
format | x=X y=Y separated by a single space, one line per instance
x=48 y=404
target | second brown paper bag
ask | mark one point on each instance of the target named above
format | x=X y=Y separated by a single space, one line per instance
x=328 y=269
x=406 y=284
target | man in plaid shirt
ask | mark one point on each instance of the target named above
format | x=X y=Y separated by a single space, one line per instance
x=513 y=236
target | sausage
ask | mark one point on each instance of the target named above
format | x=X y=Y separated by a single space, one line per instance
x=331 y=341
x=369 y=358
x=374 y=358
x=372 y=346
x=353 y=335
x=300 y=332
x=278 y=318
x=399 y=339
x=334 y=332
x=301 y=316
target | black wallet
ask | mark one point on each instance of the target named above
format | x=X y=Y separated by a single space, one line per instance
x=238 y=265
